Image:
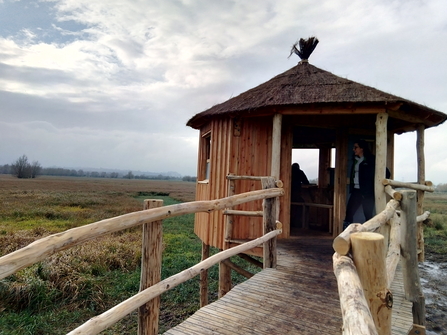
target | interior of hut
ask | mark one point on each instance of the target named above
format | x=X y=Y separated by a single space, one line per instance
x=312 y=198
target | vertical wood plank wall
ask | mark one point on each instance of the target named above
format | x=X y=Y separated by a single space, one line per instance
x=246 y=150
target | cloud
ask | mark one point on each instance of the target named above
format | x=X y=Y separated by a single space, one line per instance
x=115 y=82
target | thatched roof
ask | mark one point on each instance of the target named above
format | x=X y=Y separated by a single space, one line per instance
x=307 y=86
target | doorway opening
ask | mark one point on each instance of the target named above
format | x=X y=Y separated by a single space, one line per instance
x=311 y=208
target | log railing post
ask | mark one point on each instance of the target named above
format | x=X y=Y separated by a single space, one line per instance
x=204 y=277
x=410 y=270
x=151 y=258
x=269 y=221
x=368 y=251
x=420 y=194
x=224 y=269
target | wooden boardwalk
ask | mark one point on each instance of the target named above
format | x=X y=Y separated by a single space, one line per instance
x=299 y=297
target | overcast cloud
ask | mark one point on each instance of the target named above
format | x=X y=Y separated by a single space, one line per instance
x=111 y=84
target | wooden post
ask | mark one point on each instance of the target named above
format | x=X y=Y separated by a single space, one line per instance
x=224 y=270
x=269 y=221
x=325 y=164
x=229 y=218
x=151 y=257
x=381 y=161
x=420 y=194
x=390 y=153
x=276 y=146
x=368 y=252
x=341 y=173
x=275 y=169
x=204 y=277
x=224 y=279
x=410 y=270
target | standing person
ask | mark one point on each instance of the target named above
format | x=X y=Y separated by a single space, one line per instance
x=361 y=187
x=298 y=178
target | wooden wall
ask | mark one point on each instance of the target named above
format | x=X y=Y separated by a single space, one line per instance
x=240 y=147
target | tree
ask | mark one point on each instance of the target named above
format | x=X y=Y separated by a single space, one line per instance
x=22 y=169
x=129 y=175
x=19 y=167
x=35 y=169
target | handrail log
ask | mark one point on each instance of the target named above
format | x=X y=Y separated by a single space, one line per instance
x=278 y=182
x=357 y=318
x=242 y=213
x=113 y=315
x=393 y=255
x=44 y=247
x=412 y=186
x=424 y=216
x=342 y=243
x=393 y=193
x=235 y=177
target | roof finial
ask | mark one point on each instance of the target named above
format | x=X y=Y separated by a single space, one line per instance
x=306 y=48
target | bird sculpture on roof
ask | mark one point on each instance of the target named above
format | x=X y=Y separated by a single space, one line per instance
x=306 y=47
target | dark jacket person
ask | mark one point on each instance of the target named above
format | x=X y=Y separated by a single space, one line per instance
x=362 y=183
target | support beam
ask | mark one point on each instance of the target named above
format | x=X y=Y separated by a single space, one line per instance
x=276 y=146
x=275 y=169
x=381 y=160
x=421 y=180
x=390 y=153
x=340 y=182
x=325 y=164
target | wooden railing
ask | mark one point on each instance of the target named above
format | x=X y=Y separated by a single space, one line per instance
x=365 y=264
x=150 y=219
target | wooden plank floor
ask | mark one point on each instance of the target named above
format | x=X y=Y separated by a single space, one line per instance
x=299 y=297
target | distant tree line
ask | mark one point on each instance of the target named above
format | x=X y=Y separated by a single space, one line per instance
x=21 y=168
x=441 y=188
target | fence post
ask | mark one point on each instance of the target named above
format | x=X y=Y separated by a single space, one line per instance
x=410 y=270
x=368 y=251
x=269 y=220
x=420 y=194
x=151 y=253
x=204 y=277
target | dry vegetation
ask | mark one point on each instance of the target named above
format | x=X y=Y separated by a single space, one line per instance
x=56 y=295
x=68 y=288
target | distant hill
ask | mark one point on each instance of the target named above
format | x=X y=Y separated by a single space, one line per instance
x=121 y=172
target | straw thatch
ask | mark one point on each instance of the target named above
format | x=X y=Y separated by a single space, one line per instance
x=308 y=86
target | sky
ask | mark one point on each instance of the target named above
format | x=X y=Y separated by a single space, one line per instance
x=111 y=84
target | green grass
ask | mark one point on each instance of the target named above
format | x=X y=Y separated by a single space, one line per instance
x=435 y=229
x=68 y=288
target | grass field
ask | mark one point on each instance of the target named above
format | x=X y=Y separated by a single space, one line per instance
x=435 y=230
x=60 y=293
